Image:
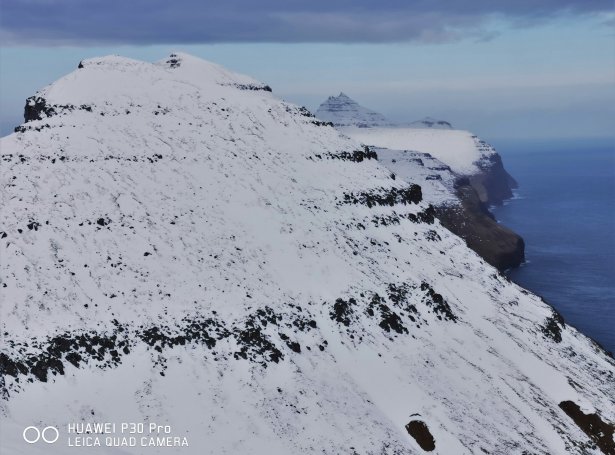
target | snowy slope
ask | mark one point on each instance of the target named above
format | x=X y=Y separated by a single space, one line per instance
x=435 y=178
x=342 y=110
x=181 y=247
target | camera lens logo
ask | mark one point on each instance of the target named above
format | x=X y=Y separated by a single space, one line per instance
x=32 y=435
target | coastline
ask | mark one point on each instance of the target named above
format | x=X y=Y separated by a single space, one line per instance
x=564 y=212
x=473 y=220
x=489 y=210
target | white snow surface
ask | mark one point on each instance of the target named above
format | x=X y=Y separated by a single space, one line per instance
x=219 y=201
x=435 y=178
x=461 y=150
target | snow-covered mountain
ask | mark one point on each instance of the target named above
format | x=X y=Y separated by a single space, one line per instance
x=180 y=247
x=342 y=110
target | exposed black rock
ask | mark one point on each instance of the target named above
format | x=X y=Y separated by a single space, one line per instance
x=421 y=434
x=432 y=236
x=437 y=302
x=33 y=225
x=259 y=338
x=382 y=196
x=10 y=367
x=553 y=327
x=356 y=156
x=37 y=108
x=174 y=61
x=389 y=320
x=426 y=216
x=265 y=88
x=254 y=344
x=599 y=431
x=342 y=310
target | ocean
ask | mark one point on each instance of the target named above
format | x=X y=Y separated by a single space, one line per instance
x=564 y=208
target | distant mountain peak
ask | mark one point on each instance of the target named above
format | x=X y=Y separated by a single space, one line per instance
x=342 y=110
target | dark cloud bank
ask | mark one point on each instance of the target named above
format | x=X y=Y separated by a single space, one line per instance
x=56 y=22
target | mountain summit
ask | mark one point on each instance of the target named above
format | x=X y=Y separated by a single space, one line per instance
x=180 y=247
x=342 y=110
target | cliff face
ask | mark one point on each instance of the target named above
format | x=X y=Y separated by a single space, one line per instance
x=472 y=221
x=458 y=204
x=492 y=183
x=474 y=165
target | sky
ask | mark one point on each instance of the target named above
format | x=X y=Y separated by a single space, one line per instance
x=525 y=69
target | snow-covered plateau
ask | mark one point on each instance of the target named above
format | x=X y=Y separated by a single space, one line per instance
x=181 y=248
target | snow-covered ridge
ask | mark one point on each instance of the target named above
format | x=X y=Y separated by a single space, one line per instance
x=187 y=250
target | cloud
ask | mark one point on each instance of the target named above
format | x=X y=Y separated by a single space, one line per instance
x=70 y=22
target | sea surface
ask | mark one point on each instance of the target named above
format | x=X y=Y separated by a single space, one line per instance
x=564 y=209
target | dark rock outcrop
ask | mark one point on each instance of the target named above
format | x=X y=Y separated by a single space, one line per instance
x=421 y=434
x=598 y=430
x=472 y=221
x=553 y=327
x=36 y=109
